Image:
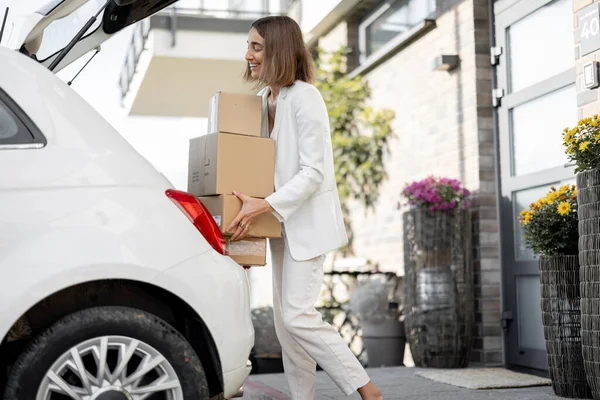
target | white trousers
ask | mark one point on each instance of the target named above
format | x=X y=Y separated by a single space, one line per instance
x=305 y=338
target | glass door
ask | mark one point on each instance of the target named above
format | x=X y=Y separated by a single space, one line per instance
x=536 y=72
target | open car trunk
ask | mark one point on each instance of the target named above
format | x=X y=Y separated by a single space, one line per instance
x=45 y=33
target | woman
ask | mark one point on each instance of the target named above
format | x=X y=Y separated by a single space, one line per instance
x=306 y=201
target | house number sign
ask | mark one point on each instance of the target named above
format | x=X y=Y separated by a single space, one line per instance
x=589 y=25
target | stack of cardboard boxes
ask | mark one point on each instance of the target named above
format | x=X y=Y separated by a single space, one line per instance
x=233 y=156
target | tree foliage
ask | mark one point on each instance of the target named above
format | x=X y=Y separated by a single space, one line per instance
x=360 y=135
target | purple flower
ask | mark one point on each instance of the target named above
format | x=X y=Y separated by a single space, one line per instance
x=436 y=193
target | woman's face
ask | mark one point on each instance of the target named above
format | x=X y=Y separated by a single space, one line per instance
x=254 y=55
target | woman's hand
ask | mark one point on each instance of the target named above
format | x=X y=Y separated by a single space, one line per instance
x=251 y=208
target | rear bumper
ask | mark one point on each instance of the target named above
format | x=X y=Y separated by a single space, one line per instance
x=235 y=379
x=217 y=288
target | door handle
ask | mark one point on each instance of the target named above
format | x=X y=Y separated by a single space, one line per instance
x=506 y=318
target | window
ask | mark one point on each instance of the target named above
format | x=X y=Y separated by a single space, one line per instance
x=13 y=130
x=389 y=21
x=60 y=32
x=541 y=45
x=534 y=122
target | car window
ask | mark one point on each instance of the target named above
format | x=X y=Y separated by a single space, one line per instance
x=12 y=129
x=59 y=33
x=8 y=126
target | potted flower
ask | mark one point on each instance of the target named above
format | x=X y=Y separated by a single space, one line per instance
x=380 y=318
x=439 y=304
x=550 y=228
x=582 y=145
x=266 y=353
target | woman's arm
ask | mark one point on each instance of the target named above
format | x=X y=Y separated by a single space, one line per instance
x=313 y=123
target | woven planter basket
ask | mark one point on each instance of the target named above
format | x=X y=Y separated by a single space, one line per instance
x=588 y=199
x=438 y=295
x=561 y=317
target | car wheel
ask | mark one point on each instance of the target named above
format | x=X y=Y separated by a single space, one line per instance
x=108 y=353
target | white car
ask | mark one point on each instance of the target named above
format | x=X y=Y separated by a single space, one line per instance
x=112 y=284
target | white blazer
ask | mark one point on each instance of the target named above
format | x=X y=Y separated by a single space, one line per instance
x=306 y=198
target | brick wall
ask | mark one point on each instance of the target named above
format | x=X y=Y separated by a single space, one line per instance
x=444 y=127
x=488 y=347
x=587 y=99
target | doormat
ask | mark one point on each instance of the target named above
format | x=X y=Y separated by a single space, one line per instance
x=483 y=378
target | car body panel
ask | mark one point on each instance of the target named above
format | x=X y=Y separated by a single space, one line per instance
x=86 y=206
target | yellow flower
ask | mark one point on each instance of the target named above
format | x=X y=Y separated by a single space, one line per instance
x=539 y=204
x=564 y=207
x=552 y=196
x=569 y=137
x=574 y=192
x=584 y=145
x=563 y=189
x=525 y=216
x=571 y=149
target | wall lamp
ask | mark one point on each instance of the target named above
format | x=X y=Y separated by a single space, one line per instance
x=445 y=62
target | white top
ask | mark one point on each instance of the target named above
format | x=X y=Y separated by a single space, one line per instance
x=306 y=198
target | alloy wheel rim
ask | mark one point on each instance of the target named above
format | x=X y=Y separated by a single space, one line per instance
x=110 y=367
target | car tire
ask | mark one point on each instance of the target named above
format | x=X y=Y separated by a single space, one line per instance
x=118 y=329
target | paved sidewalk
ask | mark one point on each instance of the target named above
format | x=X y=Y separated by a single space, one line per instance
x=397 y=383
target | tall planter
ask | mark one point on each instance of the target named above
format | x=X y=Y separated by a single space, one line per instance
x=561 y=317
x=439 y=308
x=588 y=198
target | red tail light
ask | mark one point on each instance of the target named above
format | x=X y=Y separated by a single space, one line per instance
x=200 y=217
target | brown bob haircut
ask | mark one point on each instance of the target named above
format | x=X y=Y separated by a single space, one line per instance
x=286 y=58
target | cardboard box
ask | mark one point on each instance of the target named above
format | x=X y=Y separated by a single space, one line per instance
x=235 y=113
x=248 y=251
x=221 y=163
x=225 y=208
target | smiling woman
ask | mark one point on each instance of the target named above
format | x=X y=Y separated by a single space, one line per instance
x=307 y=203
